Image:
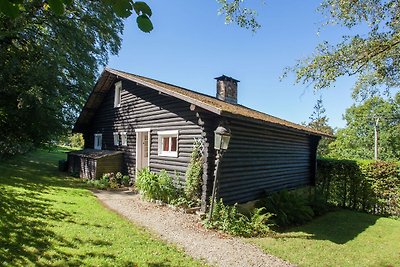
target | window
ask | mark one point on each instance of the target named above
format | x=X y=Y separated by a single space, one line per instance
x=124 y=139
x=98 y=139
x=116 y=138
x=168 y=143
x=117 y=94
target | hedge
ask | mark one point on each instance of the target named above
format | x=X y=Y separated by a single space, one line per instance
x=370 y=186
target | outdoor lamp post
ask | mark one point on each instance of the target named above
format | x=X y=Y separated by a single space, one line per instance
x=222 y=136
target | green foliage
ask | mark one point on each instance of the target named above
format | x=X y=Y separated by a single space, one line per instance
x=48 y=65
x=356 y=141
x=110 y=180
x=289 y=208
x=75 y=140
x=156 y=186
x=125 y=180
x=13 y=145
x=319 y=121
x=122 y=8
x=99 y=184
x=372 y=57
x=229 y=220
x=194 y=174
x=235 y=12
x=370 y=186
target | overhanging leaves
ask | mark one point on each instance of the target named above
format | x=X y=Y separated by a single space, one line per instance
x=144 y=23
x=373 y=58
x=142 y=8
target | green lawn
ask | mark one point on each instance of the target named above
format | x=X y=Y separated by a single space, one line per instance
x=340 y=238
x=49 y=219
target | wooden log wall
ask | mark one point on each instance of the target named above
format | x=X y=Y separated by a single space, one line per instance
x=264 y=159
x=143 y=107
x=111 y=163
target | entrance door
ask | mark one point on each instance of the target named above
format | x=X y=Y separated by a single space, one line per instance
x=142 y=149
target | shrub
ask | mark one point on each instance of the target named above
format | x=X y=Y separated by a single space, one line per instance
x=147 y=183
x=109 y=180
x=168 y=191
x=156 y=186
x=229 y=220
x=370 y=186
x=289 y=208
x=194 y=175
x=125 y=180
x=101 y=183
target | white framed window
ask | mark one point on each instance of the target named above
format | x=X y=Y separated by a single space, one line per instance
x=98 y=139
x=117 y=94
x=168 y=143
x=124 y=139
x=116 y=138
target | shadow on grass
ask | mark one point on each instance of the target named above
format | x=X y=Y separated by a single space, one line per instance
x=27 y=215
x=339 y=227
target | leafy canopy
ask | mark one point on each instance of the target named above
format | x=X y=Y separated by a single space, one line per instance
x=356 y=141
x=232 y=10
x=48 y=64
x=122 y=8
x=373 y=58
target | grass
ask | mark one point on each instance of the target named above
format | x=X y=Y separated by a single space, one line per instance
x=47 y=219
x=340 y=238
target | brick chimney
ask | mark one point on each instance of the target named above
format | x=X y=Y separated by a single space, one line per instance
x=227 y=89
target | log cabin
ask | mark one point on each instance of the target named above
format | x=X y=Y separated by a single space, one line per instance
x=155 y=125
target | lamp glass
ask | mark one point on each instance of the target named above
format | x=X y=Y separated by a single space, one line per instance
x=217 y=141
x=225 y=142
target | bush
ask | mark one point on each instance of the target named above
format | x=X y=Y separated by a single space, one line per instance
x=109 y=180
x=10 y=146
x=289 y=208
x=229 y=220
x=156 y=186
x=102 y=183
x=194 y=175
x=370 y=186
x=125 y=180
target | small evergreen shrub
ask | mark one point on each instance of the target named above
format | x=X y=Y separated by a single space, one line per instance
x=227 y=219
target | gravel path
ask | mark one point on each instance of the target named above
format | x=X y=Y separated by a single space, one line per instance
x=186 y=231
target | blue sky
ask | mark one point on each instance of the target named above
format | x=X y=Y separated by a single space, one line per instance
x=190 y=46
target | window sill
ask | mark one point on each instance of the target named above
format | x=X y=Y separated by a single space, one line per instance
x=169 y=154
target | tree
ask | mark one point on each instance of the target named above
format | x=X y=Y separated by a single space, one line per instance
x=122 y=8
x=319 y=121
x=233 y=10
x=356 y=140
x=374 y=58
x=48 y=65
